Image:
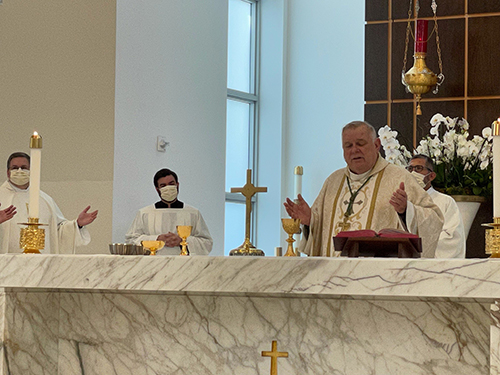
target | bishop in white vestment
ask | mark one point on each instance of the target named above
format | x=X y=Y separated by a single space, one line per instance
x=369 y=193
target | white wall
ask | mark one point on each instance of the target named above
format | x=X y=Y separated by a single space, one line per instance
x=323 y=90
x=170 y=80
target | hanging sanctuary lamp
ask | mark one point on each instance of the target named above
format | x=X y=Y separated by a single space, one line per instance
x=420 y=79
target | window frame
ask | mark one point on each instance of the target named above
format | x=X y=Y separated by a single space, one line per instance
x=251 y=98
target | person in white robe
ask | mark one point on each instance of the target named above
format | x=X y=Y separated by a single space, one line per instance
x=452 y=241
x=159 y=221
x=62 y=236
x=369 y=193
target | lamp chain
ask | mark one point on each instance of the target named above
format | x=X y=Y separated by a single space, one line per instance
x=408 y=30
x=438 y=47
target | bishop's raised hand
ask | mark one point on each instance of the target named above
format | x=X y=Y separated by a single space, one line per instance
x=399 y=199
x=299 y=210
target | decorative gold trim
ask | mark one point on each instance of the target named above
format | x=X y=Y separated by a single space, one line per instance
x=332 y=219
x=374 y=198
x=298 y=170
x=468 y=198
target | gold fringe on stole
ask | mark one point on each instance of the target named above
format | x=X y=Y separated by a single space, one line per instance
x=374 y=199
x=328 y=249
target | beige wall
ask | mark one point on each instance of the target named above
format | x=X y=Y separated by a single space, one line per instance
x=57 y=76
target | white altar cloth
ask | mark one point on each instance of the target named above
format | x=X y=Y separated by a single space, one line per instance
x=107 y=314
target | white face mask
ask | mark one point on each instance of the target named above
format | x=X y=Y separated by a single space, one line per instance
x=420 y=178
x=168 y=193
x=20 y=176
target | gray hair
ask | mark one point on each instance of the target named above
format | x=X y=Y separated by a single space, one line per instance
x=358 y=124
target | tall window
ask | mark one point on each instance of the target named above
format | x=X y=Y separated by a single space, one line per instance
x=242 y=106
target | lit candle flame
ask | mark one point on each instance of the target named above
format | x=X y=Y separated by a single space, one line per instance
x=35 y=133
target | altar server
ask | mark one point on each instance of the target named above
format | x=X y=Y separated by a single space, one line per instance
x=369 y=193
x=61 y=235
x=452 y=238
x=159 y=221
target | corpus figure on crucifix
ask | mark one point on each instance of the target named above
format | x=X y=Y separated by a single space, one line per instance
x=249 y=190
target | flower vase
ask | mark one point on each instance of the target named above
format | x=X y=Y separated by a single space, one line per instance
x=468 y=206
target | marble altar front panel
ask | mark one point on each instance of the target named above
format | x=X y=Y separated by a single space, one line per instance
x=142 y=334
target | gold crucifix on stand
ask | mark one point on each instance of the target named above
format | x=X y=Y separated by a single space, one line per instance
x=274 y=354
x=249 y=190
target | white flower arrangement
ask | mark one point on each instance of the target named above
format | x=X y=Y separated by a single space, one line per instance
x=463 y=166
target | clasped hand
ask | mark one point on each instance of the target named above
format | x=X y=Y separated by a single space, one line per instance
x=170 y=239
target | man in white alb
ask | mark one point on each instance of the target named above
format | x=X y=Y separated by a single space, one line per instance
x=452 y=238
x=61 y=235
x=369 y=193
x=159 y=221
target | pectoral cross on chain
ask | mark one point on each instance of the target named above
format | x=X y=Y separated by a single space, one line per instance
x=274 y=354
x=248 y=191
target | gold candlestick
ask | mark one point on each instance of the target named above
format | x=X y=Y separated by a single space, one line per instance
x=153 y=246
x=184 y=231
x=291 y=226
x=32 y=238
x=492 y=240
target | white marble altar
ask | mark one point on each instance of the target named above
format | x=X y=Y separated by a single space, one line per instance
x=99 y=314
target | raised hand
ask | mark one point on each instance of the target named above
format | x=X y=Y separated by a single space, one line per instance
x=7 y=214
x=299 y=210
x=399 y=199
x=86 y=217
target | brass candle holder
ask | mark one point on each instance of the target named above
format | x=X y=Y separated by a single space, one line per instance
x=32 y=238
x=153 y=246
x=492 y=239
x=291 y=227
x=184 y=231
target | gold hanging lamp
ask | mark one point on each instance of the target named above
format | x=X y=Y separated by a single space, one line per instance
x=420 y=79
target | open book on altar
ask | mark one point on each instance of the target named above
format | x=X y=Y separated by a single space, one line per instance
x=385 y=243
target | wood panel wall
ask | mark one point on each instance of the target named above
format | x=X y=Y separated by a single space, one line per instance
x=469 y=32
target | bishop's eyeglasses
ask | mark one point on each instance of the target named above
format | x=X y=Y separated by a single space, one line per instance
x=416 y=168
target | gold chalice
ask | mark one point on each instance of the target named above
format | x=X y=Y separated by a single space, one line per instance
x=291 y=226
x=153 y=246
x=184 y=231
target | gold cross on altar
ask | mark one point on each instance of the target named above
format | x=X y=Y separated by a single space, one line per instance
x=248 y=190
x=274 y=354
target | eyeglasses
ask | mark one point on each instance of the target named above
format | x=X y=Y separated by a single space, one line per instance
x=416 y=168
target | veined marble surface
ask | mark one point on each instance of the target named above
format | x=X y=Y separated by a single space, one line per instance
x=473 y=279
x=129 y=315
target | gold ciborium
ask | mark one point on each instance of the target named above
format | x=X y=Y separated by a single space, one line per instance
x=153 y=246
x=184 y=231
x=291 y=226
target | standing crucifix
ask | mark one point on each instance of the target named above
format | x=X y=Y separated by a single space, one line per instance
x=274 y=354
x=248 y=191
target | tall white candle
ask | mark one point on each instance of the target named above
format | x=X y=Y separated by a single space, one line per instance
x=35 y=172
x=496 y=168
x=298 y=172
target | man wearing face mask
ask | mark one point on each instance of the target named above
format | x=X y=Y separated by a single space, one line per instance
x=451 y=242
x=159 y=221
x=61 y=235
